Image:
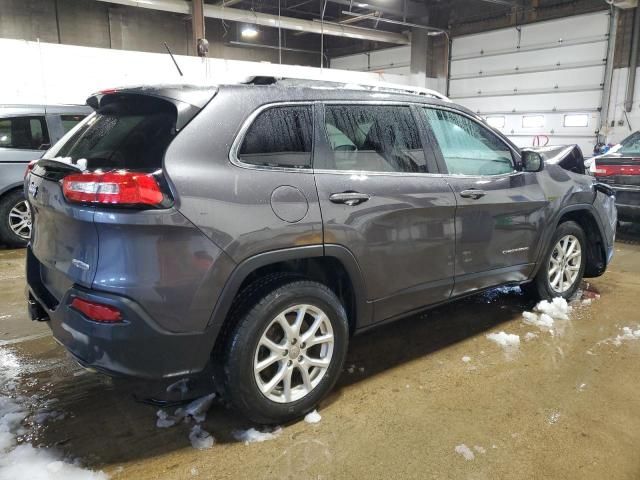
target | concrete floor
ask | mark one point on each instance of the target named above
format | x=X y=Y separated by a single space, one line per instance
x=562 y=406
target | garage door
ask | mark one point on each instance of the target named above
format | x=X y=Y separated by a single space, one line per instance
x=540 y=84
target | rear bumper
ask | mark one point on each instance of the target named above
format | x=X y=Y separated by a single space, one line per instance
x=138 y=347
x=628 y=203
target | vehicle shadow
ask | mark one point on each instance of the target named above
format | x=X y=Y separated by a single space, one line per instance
x=106 y=426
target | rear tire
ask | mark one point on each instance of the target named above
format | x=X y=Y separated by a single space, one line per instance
x=277 y=371
x=15 y=220
x=562 y=266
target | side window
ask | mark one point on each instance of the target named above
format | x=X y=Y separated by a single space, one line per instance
x=279 y=137
x=468 y=148
x=70 y=121
x=373 y=138
x=28 y=133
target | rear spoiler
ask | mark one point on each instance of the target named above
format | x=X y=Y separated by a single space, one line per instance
x=188 y=99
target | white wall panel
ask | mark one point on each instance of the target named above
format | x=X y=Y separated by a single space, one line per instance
x=517 y=61
x=560 y=66
x=378 y=60
x=54 y=73
x=575 y=101
x=577 y=78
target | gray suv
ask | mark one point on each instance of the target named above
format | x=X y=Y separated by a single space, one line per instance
x=256 y=227
x=26 y=131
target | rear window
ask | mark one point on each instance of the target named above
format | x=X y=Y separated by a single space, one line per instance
x=127 y=132
x=28 y=133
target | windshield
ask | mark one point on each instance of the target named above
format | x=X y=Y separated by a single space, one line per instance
x=630 y=146
x=130 y=132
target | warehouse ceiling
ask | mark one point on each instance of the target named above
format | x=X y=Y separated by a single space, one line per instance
x=398 y=16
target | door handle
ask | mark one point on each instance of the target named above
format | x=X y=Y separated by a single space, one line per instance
x=349 y=198
x=473 y=193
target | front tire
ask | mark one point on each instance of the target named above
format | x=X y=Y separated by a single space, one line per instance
x=15 y=220
x=563 y=265
x=286 y=352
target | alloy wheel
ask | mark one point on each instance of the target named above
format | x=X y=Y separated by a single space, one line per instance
x=294 y=353
x=20 y=220
x=564 y=264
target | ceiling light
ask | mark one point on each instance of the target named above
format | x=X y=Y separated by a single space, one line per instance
x=249 y=32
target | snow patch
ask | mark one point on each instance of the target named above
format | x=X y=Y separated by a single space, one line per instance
x=200 y=438
x=628 y=333
x=465 y=452
x=546 y=313
x=25 y=461
x=252 y=435
x=313 y=417
x=505 y=340
x=530 y=336
x=466 y=359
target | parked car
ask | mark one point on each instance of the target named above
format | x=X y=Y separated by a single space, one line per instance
x=26 y=131
x=259 y=226
x=620 y=169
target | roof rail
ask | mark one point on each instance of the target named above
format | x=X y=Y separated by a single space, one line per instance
x=371 y=86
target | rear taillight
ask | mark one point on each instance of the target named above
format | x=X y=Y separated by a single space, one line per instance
x=610 y=170
x=114 y=188
x=98 y=312
x=30 y=166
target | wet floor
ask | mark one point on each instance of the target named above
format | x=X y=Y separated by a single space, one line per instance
x=426 y=397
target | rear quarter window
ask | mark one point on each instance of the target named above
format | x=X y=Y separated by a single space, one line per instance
x=279 y=137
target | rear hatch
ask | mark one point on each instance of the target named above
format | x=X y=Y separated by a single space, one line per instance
x=111 y=161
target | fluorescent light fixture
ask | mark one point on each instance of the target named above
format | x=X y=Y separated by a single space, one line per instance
x=249 y=32
x=576 y=120
x=496 y=121
x=533 y=121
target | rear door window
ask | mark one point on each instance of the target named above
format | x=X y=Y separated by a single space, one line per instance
x=70 y=121
x=467 y=147
x=279 y=137
x=24 y=132
x=128 y=132
x=373 y=138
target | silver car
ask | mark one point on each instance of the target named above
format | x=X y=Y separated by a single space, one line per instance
x=26 y=132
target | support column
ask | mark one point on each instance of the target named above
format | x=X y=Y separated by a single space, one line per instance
x=200 y=44
x=418 y=63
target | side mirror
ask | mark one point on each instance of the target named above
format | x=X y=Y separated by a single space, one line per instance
x=532 y=161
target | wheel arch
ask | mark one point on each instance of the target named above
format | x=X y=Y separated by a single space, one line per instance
x=332 y=265
x=586 y=216
x=10 y=188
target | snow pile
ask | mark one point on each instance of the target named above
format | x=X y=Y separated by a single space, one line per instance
x=546 y=313
x=200 y=439
x=505 y=340
x=628 y=333
x=252 y=435
x=465 y=452
x=313 y=417
x=196 y=411
x=25 y=461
